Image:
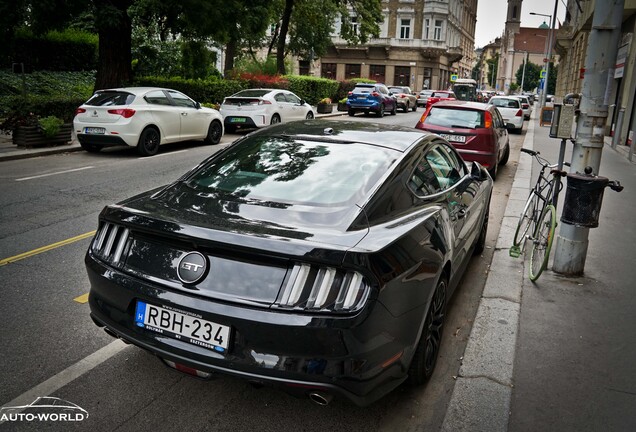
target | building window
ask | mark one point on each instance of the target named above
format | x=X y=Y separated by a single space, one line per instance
x=354 y=24
x=437 y=35
x=427 y=26
x=303 y=67
x=405 y=28
x=402 y=76
x=328 y=70
x=377 y=73
x=352 y=71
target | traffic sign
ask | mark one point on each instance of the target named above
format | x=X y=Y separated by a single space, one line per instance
x=454 y=77
x=542 y=75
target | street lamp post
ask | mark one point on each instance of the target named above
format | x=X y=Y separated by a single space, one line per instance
x=548 y=51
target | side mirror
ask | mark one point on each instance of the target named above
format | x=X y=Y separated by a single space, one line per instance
x=478 y=172
x=197 y=105
x=302 y=102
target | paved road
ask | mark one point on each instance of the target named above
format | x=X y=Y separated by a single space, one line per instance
x=51 y=347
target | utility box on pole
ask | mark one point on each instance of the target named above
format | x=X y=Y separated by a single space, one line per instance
x=572 y=241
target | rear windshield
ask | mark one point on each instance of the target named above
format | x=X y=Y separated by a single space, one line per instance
x=454 y=117
x=426 y=93
x=251 y=93
x=505 y=103
x=441 y=94
x=110 y=98
x=397 y=90
x=363 y=89
x=285 y=170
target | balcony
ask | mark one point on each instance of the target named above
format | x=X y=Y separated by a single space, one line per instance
x=428 y=48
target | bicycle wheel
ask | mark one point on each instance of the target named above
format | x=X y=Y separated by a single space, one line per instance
x=525 y=220
x=542 y=242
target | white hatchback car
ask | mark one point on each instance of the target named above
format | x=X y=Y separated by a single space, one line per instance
x=510 y=109
x=145 y=118
x=254 y=108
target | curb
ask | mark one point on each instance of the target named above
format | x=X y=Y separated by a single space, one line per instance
x=25 y=154
x=481 y=397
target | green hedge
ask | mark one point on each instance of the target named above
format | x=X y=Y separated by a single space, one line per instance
x=211 y=90
x=312 y=89
x=68 y=50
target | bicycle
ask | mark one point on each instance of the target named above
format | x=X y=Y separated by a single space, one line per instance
x=539 y=216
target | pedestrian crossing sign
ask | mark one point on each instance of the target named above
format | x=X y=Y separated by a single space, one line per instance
x=453 y=77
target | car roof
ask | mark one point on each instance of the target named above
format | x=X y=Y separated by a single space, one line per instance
x=395 y=137
x=463 y=104
x=135 y=90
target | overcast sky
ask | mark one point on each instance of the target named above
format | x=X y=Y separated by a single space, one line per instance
x=491 y=17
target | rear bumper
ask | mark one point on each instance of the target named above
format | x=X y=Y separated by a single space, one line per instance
x=102 y=140
x=487 y=160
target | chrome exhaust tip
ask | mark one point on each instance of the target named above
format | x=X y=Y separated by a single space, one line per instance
x=320 y=398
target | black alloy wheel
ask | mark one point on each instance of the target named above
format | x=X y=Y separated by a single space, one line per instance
x=275 y=119
x=149 y=142
x=425 y=356
x=394 y=110
x=215 y=132
x=309 y=116
x=351 y=113
x=480 y=245
x=381 y=112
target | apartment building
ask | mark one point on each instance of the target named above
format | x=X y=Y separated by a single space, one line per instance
x=421 y=44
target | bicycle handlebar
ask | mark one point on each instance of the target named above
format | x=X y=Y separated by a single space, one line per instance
x=615 y=185
x=545 y=162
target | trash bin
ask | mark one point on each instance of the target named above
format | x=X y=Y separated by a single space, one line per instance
x=583 y=199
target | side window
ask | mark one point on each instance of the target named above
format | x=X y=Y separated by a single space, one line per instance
x=181 y=100
x=293 y=98
x=280 y=97
x=157 y=97
x=423 y=181
x=456 y=161
x=498 y=120
x=444 y=168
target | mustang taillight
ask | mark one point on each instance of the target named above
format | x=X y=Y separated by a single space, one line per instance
x=323 y=289
x=110 y=241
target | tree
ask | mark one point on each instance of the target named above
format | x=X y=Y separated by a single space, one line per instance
x=531 y=78
x=493 y=64
x=114 y=27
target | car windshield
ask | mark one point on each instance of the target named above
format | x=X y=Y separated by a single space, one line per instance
x=453 y=117
x=111 y=98
x=397 y=90
x=286 y=170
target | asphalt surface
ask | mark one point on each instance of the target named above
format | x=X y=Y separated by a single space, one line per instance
x=557 y=355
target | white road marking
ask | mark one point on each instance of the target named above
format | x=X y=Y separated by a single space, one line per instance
x=161 y=154
x=54 y=173
x=68 y=375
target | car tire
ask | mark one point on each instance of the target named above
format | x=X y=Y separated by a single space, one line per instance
x=406 y=107
x=309 y=116
x=91 y=148
x=351 y=113
x=394 y=110
x=149 y=142
x=414 y=107
x=275 y=119
x=215 y=133
x=493 y=171
x=381 y=112
x=480 y=244
x=427 y=349
x=506 y=155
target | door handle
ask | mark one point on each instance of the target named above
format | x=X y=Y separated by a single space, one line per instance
x=184 y=113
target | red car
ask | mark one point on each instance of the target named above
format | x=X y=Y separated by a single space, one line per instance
x=475 y=129
x=440 y=95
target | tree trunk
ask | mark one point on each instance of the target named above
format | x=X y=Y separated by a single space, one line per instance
x=284 y=28
x=230 y=54
x=114 y=27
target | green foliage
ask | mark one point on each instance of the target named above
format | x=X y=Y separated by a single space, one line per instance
x=552 y=78
x=196 y=59
x=312 y=89
x=210 y=90
x=67 y=50
x=50 y=126
x=255 y=66
x=344 y=87
x=514 y=87
x=493 y=64
x=531 y=78
x=152 y=54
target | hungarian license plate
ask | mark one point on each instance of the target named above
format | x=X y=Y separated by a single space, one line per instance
x=454 y=138
x=182 y=326
x=237 y=120
x=94 y=130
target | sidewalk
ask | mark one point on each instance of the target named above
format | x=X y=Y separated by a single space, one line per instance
x=9 y=151
x=557 y=355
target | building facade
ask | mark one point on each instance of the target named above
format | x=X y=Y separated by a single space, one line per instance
x=571 y=44
x=421 y=44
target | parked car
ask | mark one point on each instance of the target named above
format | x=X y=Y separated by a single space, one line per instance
x=405 y=98
x=371 y=98
x=256 y=108
x=145 y=118
x=318 y=257
x=422 y=98
x=476 y=130
x=440 y=95
x=526 y=106
x=511 y=111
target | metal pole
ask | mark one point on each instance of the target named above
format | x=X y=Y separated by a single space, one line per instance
x=547 y=64
x=572 y=241
x=523 y=73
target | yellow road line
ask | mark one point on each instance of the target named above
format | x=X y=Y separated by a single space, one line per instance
x=45 y=248
x=82 y=299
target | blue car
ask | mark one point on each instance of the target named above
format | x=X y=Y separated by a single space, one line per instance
x=367 y=98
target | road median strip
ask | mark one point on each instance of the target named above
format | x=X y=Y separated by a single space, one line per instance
x=37 y=251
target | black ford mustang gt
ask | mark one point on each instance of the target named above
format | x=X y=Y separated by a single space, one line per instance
x=314 y=256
